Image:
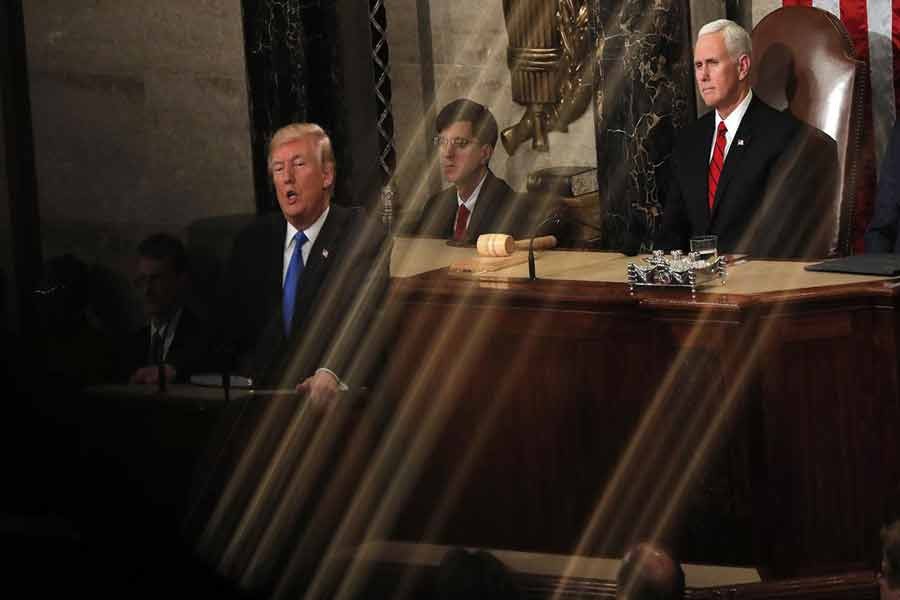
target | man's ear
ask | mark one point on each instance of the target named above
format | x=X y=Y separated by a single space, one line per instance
x=486 y=152
x=743 y=66
x=327 y=175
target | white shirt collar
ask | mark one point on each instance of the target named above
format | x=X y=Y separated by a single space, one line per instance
x=312 y=232
x=732 y=122
x=470 y=203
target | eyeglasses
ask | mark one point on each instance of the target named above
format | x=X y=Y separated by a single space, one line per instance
x=458 y=143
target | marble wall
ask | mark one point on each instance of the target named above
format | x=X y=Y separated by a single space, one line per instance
x=468 y=43
x=644 y=95
x=140 y=120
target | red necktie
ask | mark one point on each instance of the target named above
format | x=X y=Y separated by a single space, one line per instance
x=715 y=165
x=462 y=219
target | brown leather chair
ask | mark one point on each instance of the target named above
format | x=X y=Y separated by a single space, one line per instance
x=803 y=60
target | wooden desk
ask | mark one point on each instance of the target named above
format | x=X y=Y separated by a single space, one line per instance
x=573 y=416
x=396 y=570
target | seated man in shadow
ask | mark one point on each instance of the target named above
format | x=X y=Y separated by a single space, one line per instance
x=174 y=336
x=754 y=177
x=649 y=573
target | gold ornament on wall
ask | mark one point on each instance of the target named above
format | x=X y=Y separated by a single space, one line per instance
x=551 y=67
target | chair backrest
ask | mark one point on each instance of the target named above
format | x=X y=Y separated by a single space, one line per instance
x=803 y=60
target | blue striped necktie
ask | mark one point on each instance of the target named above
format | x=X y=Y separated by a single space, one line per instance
x=295 y=270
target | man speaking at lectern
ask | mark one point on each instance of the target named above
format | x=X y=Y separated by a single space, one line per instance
x=744 y=172
x=291 y=312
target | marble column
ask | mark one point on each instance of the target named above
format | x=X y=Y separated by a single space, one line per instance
x=313 y=61
x=643 y=94
x=276 y=47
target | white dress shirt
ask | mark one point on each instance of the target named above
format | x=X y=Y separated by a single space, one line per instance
x=471 y=200
x=732 y=122
x=312 y=232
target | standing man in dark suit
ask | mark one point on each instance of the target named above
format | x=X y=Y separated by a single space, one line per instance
x=478 y=201
x=174 y=335
x=302 y=284
x=745 y=172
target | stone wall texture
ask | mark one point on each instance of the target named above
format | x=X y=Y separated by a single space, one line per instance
x=140 y=121
x=468 y=46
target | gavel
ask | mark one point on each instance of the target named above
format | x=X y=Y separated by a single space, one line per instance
x=500 y=244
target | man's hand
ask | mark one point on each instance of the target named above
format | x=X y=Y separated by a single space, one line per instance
x=150 y=374
x=321 y=389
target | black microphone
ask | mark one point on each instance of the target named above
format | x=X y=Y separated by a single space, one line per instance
x=226 y=359
x=554 y=216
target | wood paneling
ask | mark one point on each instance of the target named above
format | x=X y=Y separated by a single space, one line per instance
x=576 y=417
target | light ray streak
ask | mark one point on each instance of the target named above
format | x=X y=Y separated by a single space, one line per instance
x=437 y=408
x=234 y=487
x=743 y=353
x=296 y=493
x=294 y=439
x=420 y=448
x=397 y=463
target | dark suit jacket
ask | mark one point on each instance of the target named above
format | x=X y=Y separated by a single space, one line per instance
x=883 y=233
x=189 y=353
x=496 y=211
x=343 y=266
x=774 y=184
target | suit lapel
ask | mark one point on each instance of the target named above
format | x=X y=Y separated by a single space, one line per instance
x=736 y=154
x=321 y=256
x=448 y=207
x=484 y=207
x=274 y=274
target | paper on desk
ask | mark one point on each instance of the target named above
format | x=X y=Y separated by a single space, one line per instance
x=487 y=264
x=413 y=256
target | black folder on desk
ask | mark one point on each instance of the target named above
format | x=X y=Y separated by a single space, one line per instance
x=863 y=264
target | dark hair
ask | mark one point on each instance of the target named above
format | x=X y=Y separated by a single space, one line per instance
x=484 y=125
x=162 y=246
x=473 y=576
x=644 y=582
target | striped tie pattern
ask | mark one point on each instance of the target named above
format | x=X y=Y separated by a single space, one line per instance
x=715 y=165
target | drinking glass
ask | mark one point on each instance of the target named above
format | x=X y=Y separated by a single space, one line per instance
x=705 y=247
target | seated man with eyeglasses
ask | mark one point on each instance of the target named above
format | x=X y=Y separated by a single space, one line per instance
x=478 y=201
x=174 y=335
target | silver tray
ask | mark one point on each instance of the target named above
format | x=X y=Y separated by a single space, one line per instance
x=677 y=271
